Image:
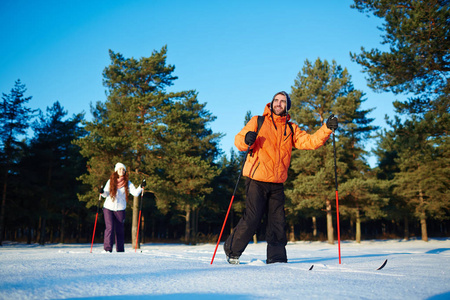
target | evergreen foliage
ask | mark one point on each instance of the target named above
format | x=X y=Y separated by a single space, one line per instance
x=321 y=89
x=418 y=58
x=165 y=138
x=187 y=150
x=51 y=166
x=417 y=64
x=421 y=180
x=15 y=119
x=160 y=136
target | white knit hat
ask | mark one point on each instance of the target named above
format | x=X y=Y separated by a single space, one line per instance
x=118 y=166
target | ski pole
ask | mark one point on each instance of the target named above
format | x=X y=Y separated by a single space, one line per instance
x=337 y=196
x=96 y=217
x=139 y=219
x=231 y=202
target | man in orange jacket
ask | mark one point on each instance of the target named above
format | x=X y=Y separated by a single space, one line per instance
x=266 y=170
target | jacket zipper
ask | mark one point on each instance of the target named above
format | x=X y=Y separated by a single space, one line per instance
x=287 y=136
x=253 y=174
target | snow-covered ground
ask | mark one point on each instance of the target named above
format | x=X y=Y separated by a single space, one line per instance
x=415 y=270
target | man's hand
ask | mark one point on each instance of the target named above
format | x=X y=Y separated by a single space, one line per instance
x=250 y=138
x=332 y=122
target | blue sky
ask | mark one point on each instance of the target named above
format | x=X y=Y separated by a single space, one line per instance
x=235 y=54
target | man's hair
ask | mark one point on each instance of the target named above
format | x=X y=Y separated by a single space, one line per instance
x=288 y=100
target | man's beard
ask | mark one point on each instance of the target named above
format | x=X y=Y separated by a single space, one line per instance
x=281 y=114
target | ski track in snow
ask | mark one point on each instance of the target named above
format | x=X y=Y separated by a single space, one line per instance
x=415 y=270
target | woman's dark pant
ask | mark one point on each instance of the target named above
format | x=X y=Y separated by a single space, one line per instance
x=261 y=197
x=114 y=229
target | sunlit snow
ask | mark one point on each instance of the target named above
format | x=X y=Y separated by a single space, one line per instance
x=415 y=270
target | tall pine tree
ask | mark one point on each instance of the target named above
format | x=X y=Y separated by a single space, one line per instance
x=421 y=182
x=187 y=152
x=417 y=64
x=15 y=118
x=54 y=164
x=321 y=89
x=125 y=126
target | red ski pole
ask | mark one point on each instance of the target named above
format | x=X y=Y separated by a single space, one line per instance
x=96 y=217
x=337 y=197
x=139 y=219
x=229 y=206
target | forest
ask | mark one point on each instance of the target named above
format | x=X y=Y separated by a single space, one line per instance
x=51 y=178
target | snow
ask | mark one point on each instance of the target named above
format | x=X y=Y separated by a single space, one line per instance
x=415 y=270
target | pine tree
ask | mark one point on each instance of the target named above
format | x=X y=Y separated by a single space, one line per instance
x=224 y=185
x=363 y=200
x=387 y=154
x=418 y=60
x=417 y=65
x=186 y=163
x=15 y=118
x=421 y=182
x=125 y=127
x=53 y=163
x=159 y=136
x=322 y=88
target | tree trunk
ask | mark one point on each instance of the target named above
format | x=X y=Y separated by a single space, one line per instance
x=314 y=226
x=352 y=229
x=29 y=233
x=154 y=228
x=63 y=225
x=44 y=205
x=423 y=218
x=423 y=227
x=406 y=229
x=2 y=214
x=187 y=232
x=52 y=235
x=291 y=233
x=358 y=226
x=42 y=234
x=77 y=239
x=43 y=221
x=38 y=231
x=142 y=230
x=330 y=230
x=194 y=225
x=134 y=223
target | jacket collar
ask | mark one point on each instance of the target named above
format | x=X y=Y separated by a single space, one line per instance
x=276 y=119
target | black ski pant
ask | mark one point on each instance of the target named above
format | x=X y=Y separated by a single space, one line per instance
x=261 y=197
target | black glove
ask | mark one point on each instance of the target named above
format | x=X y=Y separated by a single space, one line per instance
x=250 y=138
x=100 y=190
x=332 y=122
x=144 y=183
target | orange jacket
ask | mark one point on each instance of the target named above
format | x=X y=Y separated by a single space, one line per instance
x=270 y=155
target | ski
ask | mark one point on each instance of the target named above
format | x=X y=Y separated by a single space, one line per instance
x=379 y=268
x=382 y=265
x=234 y=261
